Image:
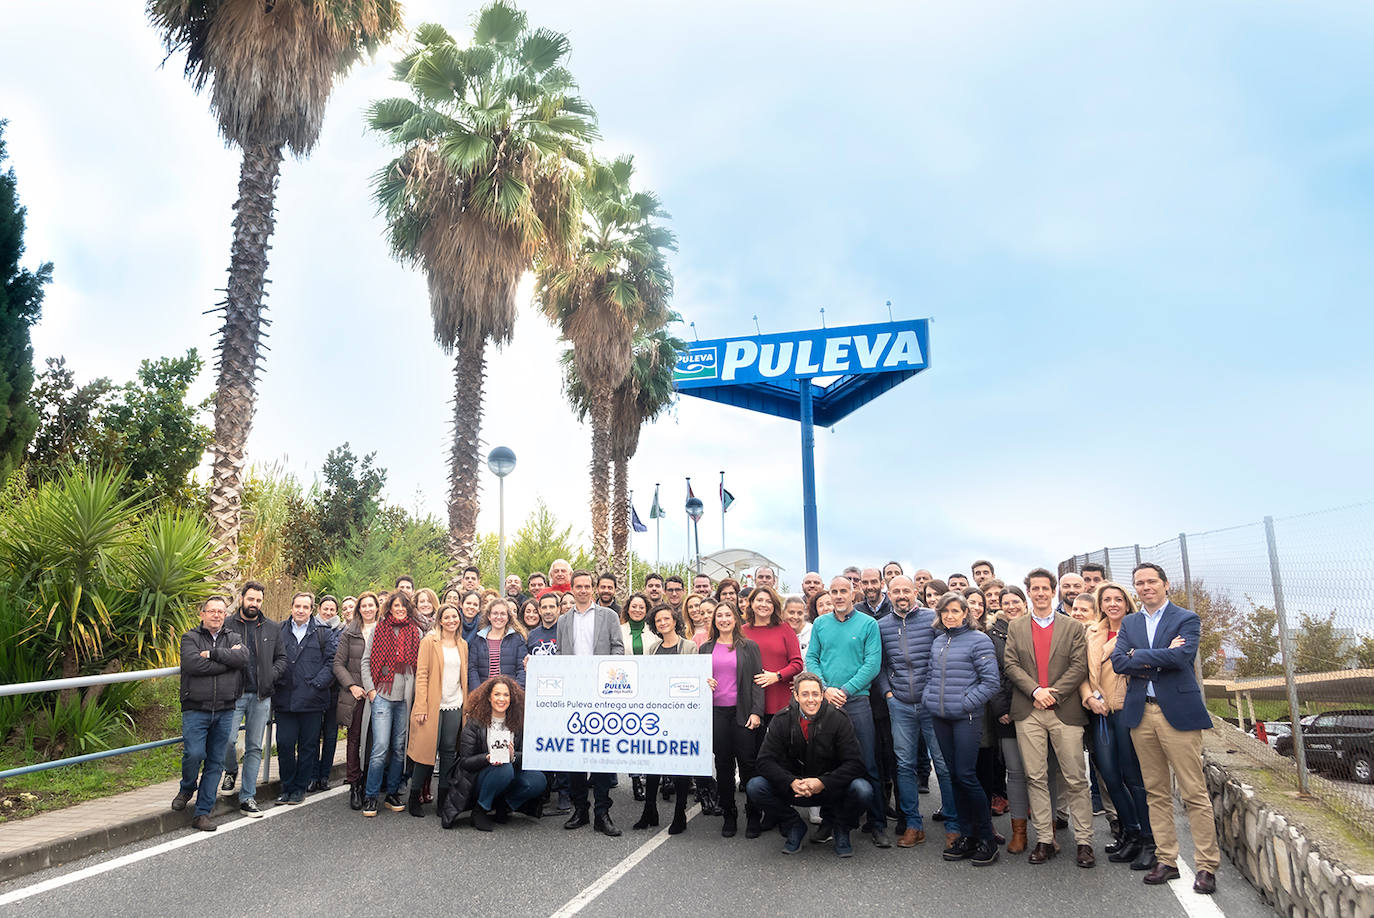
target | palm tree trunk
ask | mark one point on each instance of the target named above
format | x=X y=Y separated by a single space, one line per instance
x=620 y=529
x=601 y=474
x=469 y=371
x=239 y=346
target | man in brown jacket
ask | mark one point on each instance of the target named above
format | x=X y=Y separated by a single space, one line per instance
x=1046 y=661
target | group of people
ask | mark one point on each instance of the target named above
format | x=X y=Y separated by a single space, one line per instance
x=1054 y=701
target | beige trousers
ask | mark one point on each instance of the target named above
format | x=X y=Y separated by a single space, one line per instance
x=1034 y=737
x=1162 y=749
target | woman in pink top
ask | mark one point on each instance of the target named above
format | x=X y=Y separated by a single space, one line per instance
x=737 y=711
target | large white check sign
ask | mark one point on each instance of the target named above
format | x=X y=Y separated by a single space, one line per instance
x=643 y=715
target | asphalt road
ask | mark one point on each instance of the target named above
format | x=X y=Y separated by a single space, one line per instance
x=324 y=859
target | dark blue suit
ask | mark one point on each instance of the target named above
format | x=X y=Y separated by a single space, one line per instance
x=1171 y=671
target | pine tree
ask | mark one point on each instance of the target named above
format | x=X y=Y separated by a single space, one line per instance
x=21 y=298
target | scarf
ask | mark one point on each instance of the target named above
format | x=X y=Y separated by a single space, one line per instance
x=637 y=637
x=395 y=648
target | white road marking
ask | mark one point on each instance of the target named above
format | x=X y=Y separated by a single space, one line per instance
x=95 y=870
x=1194 y=905
x=607 y=879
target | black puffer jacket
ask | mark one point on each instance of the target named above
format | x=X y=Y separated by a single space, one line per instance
x=472 y=758
x=832 y=754
x=1001 y=702
x=211 y=683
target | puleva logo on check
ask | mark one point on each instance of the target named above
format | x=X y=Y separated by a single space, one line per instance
x=618 y=679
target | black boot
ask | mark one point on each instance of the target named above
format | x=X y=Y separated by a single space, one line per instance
x=708 y=797
x=413 y=804
x=679 y=823
x=638 y=783
x=752 y=818
x=650 y=814
x=355 y=796
x=1128 y=850
x=731 y=824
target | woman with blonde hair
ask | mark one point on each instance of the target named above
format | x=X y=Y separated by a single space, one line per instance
x=498 y=647
x=1104 y=695
x=441 y=682
x=427 y=606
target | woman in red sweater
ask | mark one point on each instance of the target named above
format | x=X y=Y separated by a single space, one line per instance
x=782 y=657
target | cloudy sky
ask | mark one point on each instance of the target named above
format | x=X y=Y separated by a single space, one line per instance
x=1143 y=234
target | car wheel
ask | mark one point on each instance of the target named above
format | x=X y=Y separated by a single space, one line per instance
x=1362 y=768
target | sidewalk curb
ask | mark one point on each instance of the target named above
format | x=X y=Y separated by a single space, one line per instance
x=78 y=845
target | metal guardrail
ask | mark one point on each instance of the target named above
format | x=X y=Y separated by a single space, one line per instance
x=57 y=685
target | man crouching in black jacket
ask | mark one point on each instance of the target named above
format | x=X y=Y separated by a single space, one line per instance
x=810 y=757
x=212 y=662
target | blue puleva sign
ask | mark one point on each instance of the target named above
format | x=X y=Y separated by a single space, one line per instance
x=855 y=349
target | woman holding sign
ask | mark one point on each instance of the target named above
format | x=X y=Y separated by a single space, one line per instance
x=489 y=776
x=737 y=712
x=668 y=628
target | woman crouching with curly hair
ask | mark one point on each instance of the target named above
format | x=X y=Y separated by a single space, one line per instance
x=489 y=778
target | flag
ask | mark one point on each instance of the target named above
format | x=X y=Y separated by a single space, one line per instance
x=690 y=495
x=726 y=499
x=635 y=523
x=655 y=511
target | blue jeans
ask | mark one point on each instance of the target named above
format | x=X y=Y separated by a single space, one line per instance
x=1116 y=760
x=847 y=803
x=958 y=739
x=298 y=749
x=390 y=726
x=203 y=736
x=518 y=787
x=860 y=712
x=911 y=723
x=255 y=712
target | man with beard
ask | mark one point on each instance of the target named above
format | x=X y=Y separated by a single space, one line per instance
x=261 y=638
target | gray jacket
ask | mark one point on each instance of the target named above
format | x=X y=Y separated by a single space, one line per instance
x=606 y=634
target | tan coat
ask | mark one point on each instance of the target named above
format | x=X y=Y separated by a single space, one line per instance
x=429 y=686
x=1101 y=677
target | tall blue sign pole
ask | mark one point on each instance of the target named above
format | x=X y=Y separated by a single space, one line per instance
x=819 y=376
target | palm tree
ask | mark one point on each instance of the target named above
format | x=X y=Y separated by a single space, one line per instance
x=618 y=282
x=484 y=183
x=271 y=67
x=646 y=392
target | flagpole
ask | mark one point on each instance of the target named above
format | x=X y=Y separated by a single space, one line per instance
x=689 y=520
x=658 y=532
x=722 y=510
x=629 y=553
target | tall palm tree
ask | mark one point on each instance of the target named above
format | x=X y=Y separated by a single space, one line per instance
x=491 y=144
x=271 y=66
x=618 y=282
x=646 y=392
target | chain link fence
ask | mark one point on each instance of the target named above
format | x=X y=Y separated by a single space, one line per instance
x=1287 y=608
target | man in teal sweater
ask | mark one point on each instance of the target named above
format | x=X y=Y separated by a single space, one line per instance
x=846 y=651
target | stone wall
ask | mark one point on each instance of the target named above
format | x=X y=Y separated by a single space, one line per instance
x=1290 y=870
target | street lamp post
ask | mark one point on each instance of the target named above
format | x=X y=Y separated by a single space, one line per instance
x=694 y=510
x=501 y=461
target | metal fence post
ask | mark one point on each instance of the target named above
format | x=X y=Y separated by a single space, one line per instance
x=267 y=753
x=1188 y=595
x=1286 y=648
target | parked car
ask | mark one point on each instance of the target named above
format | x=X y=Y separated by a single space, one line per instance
x=1338 y=741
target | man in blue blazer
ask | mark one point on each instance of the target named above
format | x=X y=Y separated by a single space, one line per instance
x=1156 y=649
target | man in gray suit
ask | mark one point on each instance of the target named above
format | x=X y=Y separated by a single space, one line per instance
x=587 y=630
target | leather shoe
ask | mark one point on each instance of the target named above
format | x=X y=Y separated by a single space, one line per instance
x=1086 y=858
x=1145 y=860
x=577 y=820
x=1162 y=873
x=606 y=827
x=911 y=838
x=1206 y=882
x=1041 y=853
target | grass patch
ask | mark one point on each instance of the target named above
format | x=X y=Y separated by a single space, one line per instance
x=156 y=712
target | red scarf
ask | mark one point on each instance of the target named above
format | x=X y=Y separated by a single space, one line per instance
x=395 y=648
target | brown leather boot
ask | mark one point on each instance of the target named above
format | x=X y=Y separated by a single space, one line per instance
x=951 y=838
x=1018 y=837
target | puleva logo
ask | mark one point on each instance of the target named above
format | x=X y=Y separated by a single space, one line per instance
x=696 y=363
x=617 y=678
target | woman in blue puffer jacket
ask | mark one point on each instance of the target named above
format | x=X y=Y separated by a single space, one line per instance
x=962 y=678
